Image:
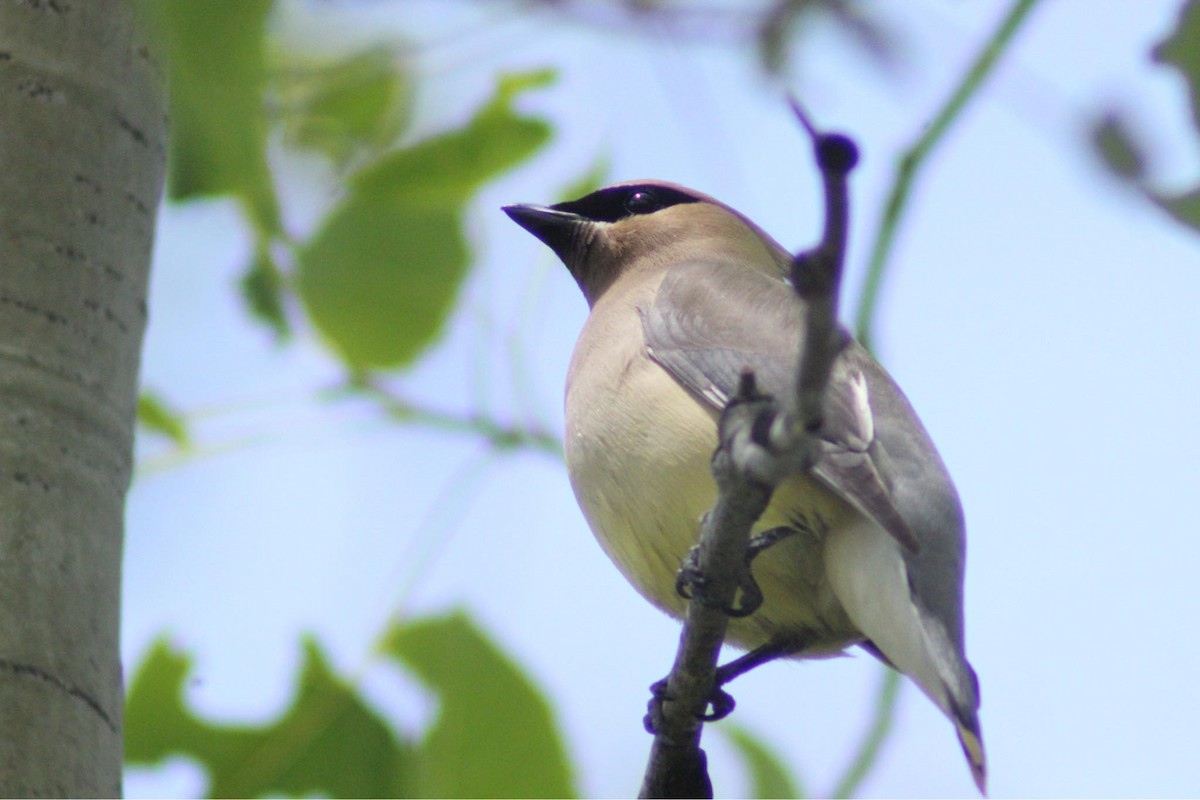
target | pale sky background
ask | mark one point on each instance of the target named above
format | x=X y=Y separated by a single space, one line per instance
x=1044 y=321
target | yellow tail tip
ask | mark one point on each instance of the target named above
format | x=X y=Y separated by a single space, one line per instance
x=972 y=747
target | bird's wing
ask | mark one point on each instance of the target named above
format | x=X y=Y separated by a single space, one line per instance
x=709 y=321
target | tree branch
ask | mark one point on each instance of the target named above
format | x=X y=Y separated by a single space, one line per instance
x=751 y=459
x=677 y=766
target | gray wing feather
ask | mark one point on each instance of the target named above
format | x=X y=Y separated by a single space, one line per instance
x=711 y=320
x=697 y=328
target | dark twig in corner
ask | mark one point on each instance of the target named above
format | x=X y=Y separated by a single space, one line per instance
x=748 y=464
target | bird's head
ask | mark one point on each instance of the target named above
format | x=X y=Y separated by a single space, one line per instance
x=644 y=225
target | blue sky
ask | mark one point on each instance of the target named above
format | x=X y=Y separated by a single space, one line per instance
x=1041 y=317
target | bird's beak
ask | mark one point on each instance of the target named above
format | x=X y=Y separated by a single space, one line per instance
x=557 y=229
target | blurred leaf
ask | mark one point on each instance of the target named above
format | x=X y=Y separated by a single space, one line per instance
x=1181 y=50
x=775 y=32
x=494 y=735
x=328 y=742
x=361 y=102
x=217 y=77
x=785 y=21
x=262 y=289
x=869 y=747
x=1114 y=143
x=380 y=276
x=155 y=415
x=446 y=169
x=769 y=777
x=588 y=182
x=1185 y=208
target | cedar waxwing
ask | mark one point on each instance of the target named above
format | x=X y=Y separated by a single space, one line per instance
x=685 y=293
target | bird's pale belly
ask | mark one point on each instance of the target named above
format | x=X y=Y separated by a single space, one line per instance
x=643 y=498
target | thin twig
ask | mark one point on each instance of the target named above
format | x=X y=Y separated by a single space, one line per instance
x=912 y=159
x=817 y=275
x=500 y=435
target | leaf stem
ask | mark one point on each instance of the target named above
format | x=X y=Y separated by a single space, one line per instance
x=869 y=749
x=499 y=435
x=912 y=159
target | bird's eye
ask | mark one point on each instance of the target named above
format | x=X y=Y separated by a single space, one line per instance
x=641 y=202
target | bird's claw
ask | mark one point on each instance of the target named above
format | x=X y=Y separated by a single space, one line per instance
x=762 y=541
x=749 y=592
x=690 y=580
x=721 y=701
x=653 y=721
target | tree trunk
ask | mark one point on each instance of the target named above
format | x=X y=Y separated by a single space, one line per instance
x=82 y=152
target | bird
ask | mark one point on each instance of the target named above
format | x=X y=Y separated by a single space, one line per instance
x=684 y=295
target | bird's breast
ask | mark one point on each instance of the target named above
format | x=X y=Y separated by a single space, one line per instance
x=638 y=447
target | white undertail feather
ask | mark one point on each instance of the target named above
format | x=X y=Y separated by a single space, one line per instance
x=867 y=572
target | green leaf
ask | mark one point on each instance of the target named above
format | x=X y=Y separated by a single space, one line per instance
x=1115 y=144
x=446 y=169
x=262 y=289
x=339 y=108
x=1181 y=50
x=217 y=79
x=380 y=276
x=328 y=742
x=1185 y=207
x=769 y=777
x=494 y=735
x=155 y=415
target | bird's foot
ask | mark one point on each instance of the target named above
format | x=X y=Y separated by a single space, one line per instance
x=691 y=581
x=719 y=700
x=721 y=703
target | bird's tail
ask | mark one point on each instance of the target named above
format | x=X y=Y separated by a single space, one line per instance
x=869 y=576
x=972 y=745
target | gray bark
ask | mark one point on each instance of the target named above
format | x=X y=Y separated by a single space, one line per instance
x=82 y=152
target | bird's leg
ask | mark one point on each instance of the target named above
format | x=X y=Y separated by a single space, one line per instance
x=721 y=701
x=691 y=581
x=776 y=648
x=761 y=541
